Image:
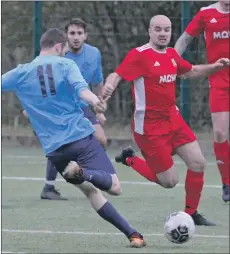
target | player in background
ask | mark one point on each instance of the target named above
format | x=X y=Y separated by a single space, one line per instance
x=88 y=60
x=50 y=89
x=158 y=127
x=213 y=21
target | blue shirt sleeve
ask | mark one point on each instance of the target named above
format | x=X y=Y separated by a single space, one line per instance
x=75 y=79
x=98 y=76
x=9 y=80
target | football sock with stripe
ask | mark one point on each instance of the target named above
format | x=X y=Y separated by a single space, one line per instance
x=193 y=186
x=51 y=175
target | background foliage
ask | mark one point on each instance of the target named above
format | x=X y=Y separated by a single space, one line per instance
x=115 y=28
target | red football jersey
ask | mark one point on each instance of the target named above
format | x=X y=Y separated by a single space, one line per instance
x=215 y=25
x=153 y=75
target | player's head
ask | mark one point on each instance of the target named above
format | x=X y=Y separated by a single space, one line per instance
x=76 y=31
x=225 y=5
x=55 y=41
x=160 y=29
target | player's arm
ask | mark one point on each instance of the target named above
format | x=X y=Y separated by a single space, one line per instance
x=82 y=90
x=183 y=42
x=111 y=84
x=188 y=71
x=130 y=69
x=98 y=80
x=9 y=80
x=194 y=28
x=97 y=85
x=97 y=89
x=205 y=70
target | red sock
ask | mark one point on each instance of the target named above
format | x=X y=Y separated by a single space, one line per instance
x=141 y=167
x=193 y=186
x=222 y=158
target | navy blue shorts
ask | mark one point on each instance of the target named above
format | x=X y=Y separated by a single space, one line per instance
x=90 y=115
x=87 y=152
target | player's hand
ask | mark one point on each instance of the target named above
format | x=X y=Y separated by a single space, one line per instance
x=107 y=90
x=101 y=105
x=101 y=117
x=222 y=62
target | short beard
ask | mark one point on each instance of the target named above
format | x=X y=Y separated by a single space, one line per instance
x=158 y=47
x=161 y=47
x=75 y=50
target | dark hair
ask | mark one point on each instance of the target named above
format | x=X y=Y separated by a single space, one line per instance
x=77 y=22
x=51 y=37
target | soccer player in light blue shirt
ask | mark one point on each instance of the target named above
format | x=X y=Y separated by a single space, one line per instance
x=50 y=88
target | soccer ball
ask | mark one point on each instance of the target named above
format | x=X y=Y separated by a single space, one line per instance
x=179 y=227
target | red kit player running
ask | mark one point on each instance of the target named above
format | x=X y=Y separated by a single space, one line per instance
x=159 y=129
x=213 y=20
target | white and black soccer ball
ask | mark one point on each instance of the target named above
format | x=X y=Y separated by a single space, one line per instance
x=179 y=227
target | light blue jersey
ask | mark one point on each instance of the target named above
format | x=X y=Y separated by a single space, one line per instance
x=89 y=63
x=48 y=89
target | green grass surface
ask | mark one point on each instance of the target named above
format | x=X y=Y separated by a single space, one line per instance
x=31 y=225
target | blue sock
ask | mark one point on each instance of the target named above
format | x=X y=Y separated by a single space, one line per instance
x=110 y=214
x=100 y=179
x=51 y=175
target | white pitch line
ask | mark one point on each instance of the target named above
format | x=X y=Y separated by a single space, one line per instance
x=39 y=159
x=39 y=162
x=96 y=233
x=15 y=252
x=23 y=178
x=213 y=186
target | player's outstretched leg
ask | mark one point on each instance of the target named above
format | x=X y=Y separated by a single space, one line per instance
x=194 y=181
x=128 y=158
x=106 y=210
x=192 y=156
x=152 y=173
x=49 y=192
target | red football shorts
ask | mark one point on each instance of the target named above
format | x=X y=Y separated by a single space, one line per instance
x=158 y=149
x=219 y=99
